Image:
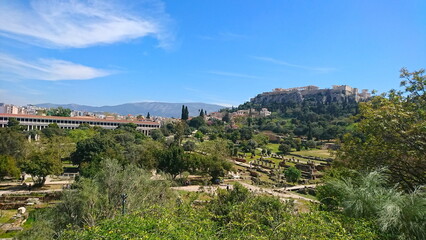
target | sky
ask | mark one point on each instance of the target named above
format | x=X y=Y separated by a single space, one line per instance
x=222 y=52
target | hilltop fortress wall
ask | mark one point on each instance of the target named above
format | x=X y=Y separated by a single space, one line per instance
x=338 y=93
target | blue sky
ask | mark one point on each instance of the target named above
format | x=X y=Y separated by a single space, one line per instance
x=224 y=52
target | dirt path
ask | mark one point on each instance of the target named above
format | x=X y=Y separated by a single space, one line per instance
x=252 y=188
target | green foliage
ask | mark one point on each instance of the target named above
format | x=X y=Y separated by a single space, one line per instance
x=185 y=113
x=53 y=130
x=215 y=166
x=90 y=212
x=153 y=223
x=314 y=117
x=96 y=199
x=196 y=122
x=189 y=146
x=391 y=133
x=218 y=147
x=94 y=149
x=202 y=113
x=157 y=135
x=261 y=139
x=8 y=167
x=199 y=135
x=172 y=161
x=40 y=164
x=226 y=118
x=13 y=123
x=284 y=148
x=292 y=174
x=402 y=215
x=80 y=134
x=60 y=111
x=13 y=143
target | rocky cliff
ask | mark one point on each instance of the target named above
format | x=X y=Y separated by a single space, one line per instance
x=340 y=94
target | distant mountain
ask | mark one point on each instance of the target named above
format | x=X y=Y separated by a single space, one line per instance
x=162 y=109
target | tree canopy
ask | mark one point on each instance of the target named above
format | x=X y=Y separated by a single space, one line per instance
x=390 y=132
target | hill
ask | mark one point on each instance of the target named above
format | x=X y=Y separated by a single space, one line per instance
x=162 y=109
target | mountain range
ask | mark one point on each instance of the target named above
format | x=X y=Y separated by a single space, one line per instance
x=161 y=109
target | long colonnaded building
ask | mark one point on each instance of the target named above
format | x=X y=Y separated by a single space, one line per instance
x=39 y=122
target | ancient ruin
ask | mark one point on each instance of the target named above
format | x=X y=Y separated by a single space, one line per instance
x=338 y=93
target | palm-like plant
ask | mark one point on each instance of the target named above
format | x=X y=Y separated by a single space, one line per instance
x=400 y=214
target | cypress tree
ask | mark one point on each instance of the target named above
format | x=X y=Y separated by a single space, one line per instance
x=186 y=113
x=182 y=116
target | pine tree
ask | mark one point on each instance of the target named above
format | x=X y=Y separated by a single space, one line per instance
x=148 y=116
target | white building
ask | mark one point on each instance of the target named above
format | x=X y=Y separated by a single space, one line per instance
x=39 y=122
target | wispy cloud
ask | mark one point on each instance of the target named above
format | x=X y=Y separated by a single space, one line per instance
x=230 y=74
x=48 y=69
x=279 y=62
x=78 y=24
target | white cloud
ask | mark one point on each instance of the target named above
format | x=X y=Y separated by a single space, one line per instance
x=78 y=24
x=47 y=69
x=279 y=62
x=230 y=74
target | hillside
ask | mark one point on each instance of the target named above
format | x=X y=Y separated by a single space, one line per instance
x=162 y=109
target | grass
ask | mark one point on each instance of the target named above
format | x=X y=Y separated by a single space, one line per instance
x=5 y=215
x=306 y=196
x=315 y=153
x=274 y=147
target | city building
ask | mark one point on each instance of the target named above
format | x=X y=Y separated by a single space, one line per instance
x=39 y=122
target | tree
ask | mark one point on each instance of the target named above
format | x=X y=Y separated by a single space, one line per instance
x=261 y=139
x=13 y=123
x=8 y=167
x=90 y=152
x=189 y=146
x=219 y=147
x=179 y=131
x=185 y=113
x=284 y=148
x=157 y=135
x=226 y=117
x=60 y=111
x=79 y=134
x=196 y=122
x=199 y=135
x=172 y=161
x=311 y=144
x=390 y=133
x=53 y=130
x=215 y=166
x=292 y=174
x=13 y=143
x=148 y=116
x=40 y=164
